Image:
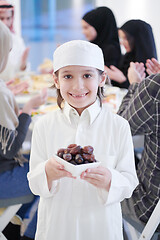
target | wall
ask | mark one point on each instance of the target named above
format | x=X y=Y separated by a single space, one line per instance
x=147 y=10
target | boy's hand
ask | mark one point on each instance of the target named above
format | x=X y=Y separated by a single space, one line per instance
x=99 y=177
x=55 y=171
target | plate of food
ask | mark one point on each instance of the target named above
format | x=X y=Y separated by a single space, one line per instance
x=76 y=159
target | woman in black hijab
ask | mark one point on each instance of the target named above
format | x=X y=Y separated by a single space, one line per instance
x=137 y=38
x=99 y=27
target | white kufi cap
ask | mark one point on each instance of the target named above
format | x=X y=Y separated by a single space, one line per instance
x=78 y=52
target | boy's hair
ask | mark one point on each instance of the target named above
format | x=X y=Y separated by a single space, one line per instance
x=100 y=92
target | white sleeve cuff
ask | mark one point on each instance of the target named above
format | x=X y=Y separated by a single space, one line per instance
x=38 y=182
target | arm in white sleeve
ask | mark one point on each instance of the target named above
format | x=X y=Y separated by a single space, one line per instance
x=124 y=178
x=37 y=176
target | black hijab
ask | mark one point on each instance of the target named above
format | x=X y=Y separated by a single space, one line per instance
x=103 y=20
x=144 y=45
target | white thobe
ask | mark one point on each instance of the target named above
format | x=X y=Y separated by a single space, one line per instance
x=14 y=59
x=74 y=209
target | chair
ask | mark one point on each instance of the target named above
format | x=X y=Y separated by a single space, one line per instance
x=136 y=231
x=9 y=208
x=152 y=224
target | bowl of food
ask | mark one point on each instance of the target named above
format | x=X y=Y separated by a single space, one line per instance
x=76 y=159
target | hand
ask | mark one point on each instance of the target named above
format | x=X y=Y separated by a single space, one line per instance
x=18 y=88
x=99 y=177
x=136 y=72
x=35 y=101
x=24 y=59
x=153 y=66
x=8 y=83
x=115 y=74
x=55 y=171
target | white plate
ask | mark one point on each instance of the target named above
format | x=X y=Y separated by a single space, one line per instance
x=76 y=170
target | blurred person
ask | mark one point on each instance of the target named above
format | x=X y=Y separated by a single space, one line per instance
x=99 y=27
x=13 y=130
x=137 y=38
x=141 y=107
x=17 y=60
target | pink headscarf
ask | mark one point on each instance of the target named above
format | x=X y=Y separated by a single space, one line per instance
x=5 y=6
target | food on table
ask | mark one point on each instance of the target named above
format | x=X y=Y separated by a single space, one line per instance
x=46 y=66
x=44 y=109
x=111 y=100
x=36 y=82
x=76 y=154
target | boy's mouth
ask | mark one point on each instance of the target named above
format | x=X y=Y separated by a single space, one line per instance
x=78 y=95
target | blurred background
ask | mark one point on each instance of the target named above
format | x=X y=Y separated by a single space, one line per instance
x=44 y=24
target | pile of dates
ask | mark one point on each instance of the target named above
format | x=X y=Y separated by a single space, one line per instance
x=76 y=154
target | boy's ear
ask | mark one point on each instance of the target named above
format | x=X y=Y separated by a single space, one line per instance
x=103 y=79
x=56 y=82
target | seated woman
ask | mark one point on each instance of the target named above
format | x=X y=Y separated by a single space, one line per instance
x=17 y=60
x=99 y=27
x=137 y=38
x=13 y=130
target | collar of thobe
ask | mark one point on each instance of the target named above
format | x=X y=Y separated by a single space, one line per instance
x=91 y=112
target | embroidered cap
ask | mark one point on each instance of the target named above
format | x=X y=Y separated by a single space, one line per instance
x=78 y=52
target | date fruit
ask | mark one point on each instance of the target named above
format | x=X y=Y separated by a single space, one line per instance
x=75 y=154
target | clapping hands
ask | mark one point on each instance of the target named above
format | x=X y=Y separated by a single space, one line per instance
x=136 y=72
x=153 y=66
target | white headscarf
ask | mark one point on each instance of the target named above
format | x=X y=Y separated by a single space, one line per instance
x=5 y=45
x=8 y=107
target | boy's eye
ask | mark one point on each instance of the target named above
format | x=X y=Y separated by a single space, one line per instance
x=87 y=75
x=67 y=76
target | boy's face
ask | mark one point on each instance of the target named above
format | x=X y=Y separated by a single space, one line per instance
x=6 y=17
x=79 y=85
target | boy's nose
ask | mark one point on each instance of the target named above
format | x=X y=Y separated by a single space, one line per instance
x=78 y=84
